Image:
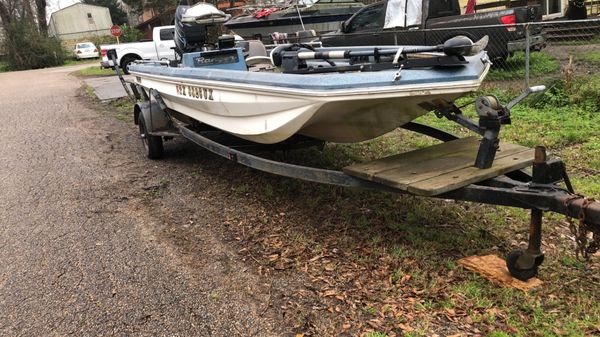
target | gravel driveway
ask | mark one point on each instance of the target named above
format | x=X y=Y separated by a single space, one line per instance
x=84 y=249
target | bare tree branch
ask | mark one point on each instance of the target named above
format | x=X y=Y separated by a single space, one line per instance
x=41 y=16
x=5 y=16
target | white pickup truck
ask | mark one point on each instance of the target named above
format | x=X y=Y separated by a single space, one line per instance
x=160 y=48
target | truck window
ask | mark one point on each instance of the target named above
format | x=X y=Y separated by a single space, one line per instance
x=166 y=34
x=369 y=18
x=441 y=8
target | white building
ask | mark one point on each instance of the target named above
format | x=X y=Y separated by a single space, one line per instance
x=79 y=21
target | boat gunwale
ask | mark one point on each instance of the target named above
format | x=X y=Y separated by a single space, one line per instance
x=373 y=91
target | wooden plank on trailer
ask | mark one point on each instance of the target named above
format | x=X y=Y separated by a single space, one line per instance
x=441 y=168
x=412 y=158
x=470 y=175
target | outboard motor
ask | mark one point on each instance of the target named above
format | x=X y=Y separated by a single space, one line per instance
x=196 y=27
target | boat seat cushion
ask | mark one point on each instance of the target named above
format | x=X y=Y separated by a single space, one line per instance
x=256 y=48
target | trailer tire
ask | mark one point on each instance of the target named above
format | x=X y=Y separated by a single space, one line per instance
x=521 y=274
x=153 y=145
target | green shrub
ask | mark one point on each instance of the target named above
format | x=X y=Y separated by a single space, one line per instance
x=28 y=49
x=100 y=40
x=554 y=97
x=130 y=34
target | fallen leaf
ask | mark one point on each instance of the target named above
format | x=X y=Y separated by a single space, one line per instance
x=405 y=327
x=329 y=293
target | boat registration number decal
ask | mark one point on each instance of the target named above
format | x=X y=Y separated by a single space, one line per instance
x=194 y=92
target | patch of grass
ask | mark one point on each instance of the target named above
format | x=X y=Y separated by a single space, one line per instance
x=370 y=310
x=96 y=71
x=241 y=189
x=498 y=334
x=585 y=91
x=4 y=67
x=71 y=61
x=591 y=57
x=89 y=91
x=123 y=109
x=573 y=262
x=269 y=191
x=578 y=42
x=375 y=334
x=540 y=63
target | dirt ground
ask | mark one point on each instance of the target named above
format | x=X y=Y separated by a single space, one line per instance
x=97 y=239
x=84 y=246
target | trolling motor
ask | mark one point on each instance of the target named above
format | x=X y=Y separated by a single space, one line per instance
x=292 y=57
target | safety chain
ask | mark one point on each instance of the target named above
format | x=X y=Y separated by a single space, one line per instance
x=585 y=246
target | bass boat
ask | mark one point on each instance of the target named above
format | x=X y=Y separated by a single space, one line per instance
x=340 y=94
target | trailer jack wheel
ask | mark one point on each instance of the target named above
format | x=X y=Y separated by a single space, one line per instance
x=153 y=145
x=523 y=266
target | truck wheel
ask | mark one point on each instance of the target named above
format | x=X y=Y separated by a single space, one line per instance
x=501 y=62
x=125 y=64
x=153 y=145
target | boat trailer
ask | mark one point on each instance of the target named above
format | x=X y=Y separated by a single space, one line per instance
x=484 y=171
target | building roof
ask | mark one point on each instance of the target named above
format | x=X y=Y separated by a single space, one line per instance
x=75 y=4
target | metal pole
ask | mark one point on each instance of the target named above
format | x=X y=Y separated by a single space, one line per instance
x=300 y=17
x=527 y=44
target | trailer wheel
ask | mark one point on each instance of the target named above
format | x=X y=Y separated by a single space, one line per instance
x=153 y=145
x=521 y=274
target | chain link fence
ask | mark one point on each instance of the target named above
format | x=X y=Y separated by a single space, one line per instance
x=522 y=54
x=535 y=52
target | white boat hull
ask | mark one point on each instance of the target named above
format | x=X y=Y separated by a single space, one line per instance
x=269 y=115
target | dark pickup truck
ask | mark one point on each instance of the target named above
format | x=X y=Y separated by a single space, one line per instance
x=424 y=22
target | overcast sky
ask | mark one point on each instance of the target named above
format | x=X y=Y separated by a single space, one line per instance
x=54 y=5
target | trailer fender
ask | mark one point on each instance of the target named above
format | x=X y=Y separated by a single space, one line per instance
x=155 y=118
